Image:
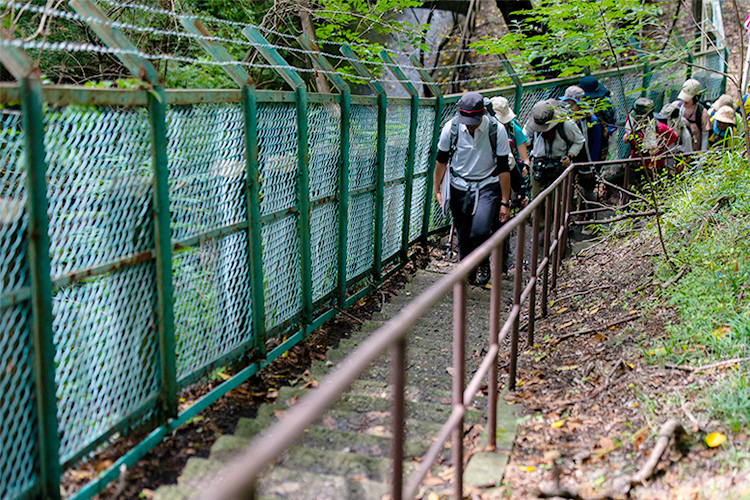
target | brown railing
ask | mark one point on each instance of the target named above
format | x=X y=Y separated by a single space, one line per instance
x=240 y=481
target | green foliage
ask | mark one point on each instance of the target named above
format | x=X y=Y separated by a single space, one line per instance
x=570 y=36
x=706 y=221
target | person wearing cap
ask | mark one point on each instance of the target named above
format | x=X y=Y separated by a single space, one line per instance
x=477 y=179
x=592 y=132
x=556 y=141
x=723 y=128
x=694 y=112
x=670 y=116
x=726 y=100
x=646 y=135
x=600 y=98
x=507 y=117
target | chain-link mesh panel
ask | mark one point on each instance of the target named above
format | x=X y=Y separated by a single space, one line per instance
x=362 y=169
x=360 y=243
x=18 y=451
x=710 y=77
x=99 y=188
x=277 y=156
x=363 y=146
x=107 y=352
x=324 y=125
x=211 y=285
x=449 y=111
x=396 y=140
x=324 y=143
x=425 y=126
x=623 y=95
x=324 y=248
x=393 y=216
x=207 y=168
x=281 y=271
x=437 y=220
x=664 y=86
x=418 y=190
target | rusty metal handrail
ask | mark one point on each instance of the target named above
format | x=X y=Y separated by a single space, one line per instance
x=239 y=482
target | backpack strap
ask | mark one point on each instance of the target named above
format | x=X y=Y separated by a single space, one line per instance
x=561 y=131
x=494 y=123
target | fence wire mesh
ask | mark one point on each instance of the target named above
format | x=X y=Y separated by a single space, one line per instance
x=18 y=447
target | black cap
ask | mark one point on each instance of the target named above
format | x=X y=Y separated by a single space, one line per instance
x=471 y=108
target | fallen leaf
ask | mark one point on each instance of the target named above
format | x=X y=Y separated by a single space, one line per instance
x=631 y=366
x=449 y=369
x=565 y=325
x=103 y=465
x=715 y=439
x=528 y=468
x=433 y=496
x=433 y=481
x=594 y=311
x=561 y=310
x=279 y=413
x=147 y=493
x=599 y=336
x=557 y=424
x=721 y=331
x=567 y=368
x=379 y=431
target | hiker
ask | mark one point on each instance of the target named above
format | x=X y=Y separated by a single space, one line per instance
x=723 y=128
x=606 y=113
x=555 y=142
x=694 y=112
x=519 y=158
x=646 y=135
x=592 y=132
x=723 y=100
x=476 y=186
x=671 y=116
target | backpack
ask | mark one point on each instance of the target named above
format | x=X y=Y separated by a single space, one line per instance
x=608 y=115
x=517 y=179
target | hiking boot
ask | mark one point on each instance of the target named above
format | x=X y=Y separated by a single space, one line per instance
x=483 y=274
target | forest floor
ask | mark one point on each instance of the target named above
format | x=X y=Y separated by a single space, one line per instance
x=595 y=401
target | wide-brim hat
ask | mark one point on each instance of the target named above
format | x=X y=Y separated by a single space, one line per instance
x=544 y=116
x=723 y=100
x=502 y=109
x=690 y=89
x=592 y=87
x=471 y=108
x=725 y=115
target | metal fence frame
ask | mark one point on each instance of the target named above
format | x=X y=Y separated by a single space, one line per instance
x=418 y=216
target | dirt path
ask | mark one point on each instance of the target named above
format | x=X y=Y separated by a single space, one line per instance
x=594 y=402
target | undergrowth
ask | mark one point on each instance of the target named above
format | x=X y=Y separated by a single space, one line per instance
x=706 y=224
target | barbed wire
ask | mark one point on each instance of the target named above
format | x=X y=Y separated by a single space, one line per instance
x=72 y=16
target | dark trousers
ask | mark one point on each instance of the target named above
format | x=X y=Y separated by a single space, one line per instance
x=473 y=230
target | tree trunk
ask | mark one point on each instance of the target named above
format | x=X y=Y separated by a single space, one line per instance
x=307 y=28
x=510 y=11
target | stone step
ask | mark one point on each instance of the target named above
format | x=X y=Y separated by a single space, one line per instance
x=293 y=484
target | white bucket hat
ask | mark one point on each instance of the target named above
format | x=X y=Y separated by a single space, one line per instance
x=502 y=109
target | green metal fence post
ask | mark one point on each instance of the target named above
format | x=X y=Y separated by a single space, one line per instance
x=303 y=175
x=435 y=89
x=411 y=151
x=345 y=103
x=157 y=110
x=255 y=243
x=48 y=441
x=516 y=82
x=724 y=76
x=377 y=265
x=647 y=74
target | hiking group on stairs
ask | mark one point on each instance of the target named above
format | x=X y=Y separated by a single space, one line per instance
x=486 y=160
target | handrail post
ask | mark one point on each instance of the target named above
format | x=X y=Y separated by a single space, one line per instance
x=459 y=354
x=157 y=109
x=411 y=151
x=360 y=68
x=533 y=274
x=303 y=175
x=556 y=235
x=517 y=287
x=435 y=89
x=545 y=277
x=495 y=296
x=398 y=382
x=38 y=258
x=345 y=102
x=567 y=202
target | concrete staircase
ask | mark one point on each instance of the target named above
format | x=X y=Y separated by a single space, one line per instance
x=345 y=455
